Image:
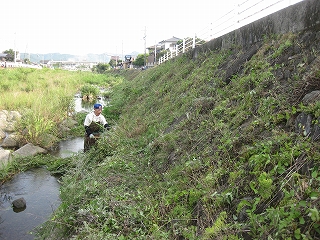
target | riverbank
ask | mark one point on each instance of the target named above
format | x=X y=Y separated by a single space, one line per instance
x=212 y=147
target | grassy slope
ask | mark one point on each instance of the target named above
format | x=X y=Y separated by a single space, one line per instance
x=203 y=149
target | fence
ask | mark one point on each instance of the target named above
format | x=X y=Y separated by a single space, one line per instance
x=243 y=13
x=17 y=65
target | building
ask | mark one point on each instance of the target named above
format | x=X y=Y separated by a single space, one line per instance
x=169 y=45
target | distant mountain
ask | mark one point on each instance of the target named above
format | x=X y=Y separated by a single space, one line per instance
x=103 y=57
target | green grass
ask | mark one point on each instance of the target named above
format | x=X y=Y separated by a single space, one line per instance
x=45 y=97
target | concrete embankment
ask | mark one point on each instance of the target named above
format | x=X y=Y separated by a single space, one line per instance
x=303 y=16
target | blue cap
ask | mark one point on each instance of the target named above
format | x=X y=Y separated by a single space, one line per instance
x=97 y=106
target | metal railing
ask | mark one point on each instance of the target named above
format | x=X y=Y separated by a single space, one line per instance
x=243 y=13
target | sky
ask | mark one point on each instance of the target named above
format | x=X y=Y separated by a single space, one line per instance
x=103 y=26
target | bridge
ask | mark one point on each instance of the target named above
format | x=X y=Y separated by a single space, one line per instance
x=73 y=65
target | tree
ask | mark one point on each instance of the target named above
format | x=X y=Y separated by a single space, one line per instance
x=26 y=60
x=112 y=62
x=101 y=68
x=10 y=55
x=139 y=61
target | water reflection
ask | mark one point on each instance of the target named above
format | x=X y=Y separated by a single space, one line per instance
x=85 y=106
x=41 y=192
x=69 y=147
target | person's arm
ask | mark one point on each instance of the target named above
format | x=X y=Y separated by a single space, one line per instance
x=88 y=131
x=107 y=126
x=87 y=123
x=105 y=123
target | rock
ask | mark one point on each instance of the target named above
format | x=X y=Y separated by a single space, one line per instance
x=311 y=98
x=307 y=125
x=14 y=116
x=69 y=123
x=8 y=119
x=3 y=123
x=3 y=119
x=9 y=127
x=316 y=130
x=303 y=124
x=64 y=129
x=4 y=115
x=4 y=156
x=48 y=140
x=2 y=134
x=29 y=150
x=19 y=203
x=10 y=142
x=65 y=126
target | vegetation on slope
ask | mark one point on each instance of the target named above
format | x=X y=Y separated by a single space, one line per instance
x=203 y=148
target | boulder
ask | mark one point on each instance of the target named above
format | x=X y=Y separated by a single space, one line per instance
x=10 y=142
x=10 y=127
x=4 y=115
x=3 y=123
x=2 y=134
x=4 y=156
x=303 y=124
x=19 y=203
x=69 y=123
x=48 y=140
x=29 y=150
x=14 y=116
x=8 y=119
x=311 y=97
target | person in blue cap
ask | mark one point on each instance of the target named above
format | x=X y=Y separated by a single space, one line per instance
x=94 y=124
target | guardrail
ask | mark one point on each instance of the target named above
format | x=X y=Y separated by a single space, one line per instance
x=18 y=65
x=243 y=13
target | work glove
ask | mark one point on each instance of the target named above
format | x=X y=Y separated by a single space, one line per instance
x=107 y=126
x=91 y=136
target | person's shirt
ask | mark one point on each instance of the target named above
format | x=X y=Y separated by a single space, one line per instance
x=91 y=117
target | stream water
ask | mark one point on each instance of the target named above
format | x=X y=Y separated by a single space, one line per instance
x=38 y=188
x=41 y=192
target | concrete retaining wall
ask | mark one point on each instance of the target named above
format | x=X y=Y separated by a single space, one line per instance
x=302 y=16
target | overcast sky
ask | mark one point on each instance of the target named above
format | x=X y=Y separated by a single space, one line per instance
x=103 y=26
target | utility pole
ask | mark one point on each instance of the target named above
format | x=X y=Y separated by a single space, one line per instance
x=155 y=53
x=145 y=47
x=116 y=56
x=25 y=52
x=15 y=48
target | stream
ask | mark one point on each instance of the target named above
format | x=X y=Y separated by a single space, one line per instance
x=41 y=192
x=38 y=188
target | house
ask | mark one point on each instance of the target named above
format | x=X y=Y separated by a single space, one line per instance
x=169 y=44
x=165 y=45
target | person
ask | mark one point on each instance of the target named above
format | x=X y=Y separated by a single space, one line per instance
x=94 y=124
